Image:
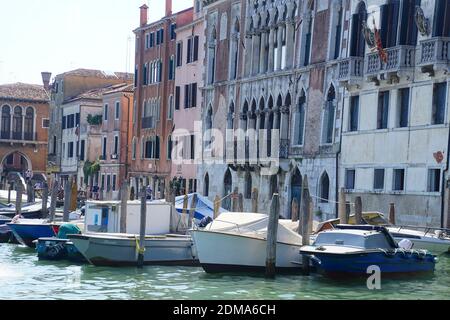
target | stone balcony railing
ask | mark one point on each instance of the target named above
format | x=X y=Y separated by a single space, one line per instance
x=350 y=69
x=434 y=54
x=22 y=136
x=148 y=123
x=399 y=58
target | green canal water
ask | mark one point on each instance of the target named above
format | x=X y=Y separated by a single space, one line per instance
x=23 y=276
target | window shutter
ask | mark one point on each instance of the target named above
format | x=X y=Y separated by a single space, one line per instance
x=194 y=95
x=186 y=96
x=353 y=45
x=195 y=48
x=177 y=98
x=189 y=51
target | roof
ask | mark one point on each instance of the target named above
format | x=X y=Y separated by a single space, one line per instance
x=123 y=87
x=99 y=74
x=23 y=92
x=92 y=94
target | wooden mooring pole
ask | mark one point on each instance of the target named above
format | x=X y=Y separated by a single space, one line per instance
x=235 y=199
x=9 y=192
x=358 y=211
x=255 y=200
x=45 y=200
x=192 y=210
x=67 y=196
x=123 y=206
x=304 y=222
x=294 y=210
x=53 y=199
x=272 y=231
x=392 y=213
x=216 y=206
x=141 y=246
x=19 y=191
x=342 y=209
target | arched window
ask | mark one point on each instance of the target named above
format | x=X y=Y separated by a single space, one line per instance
x=228 y=185
x=206 y=185
x=328 y=118
x=212 y=56
x=133 y=148
x=6 y=122
x=234 y=56
x=358 y=45
x=169 y=147
x=324 y=188
x=171 y=110
x=301 y=118
x=208 y=127
x=441 y=27
x=17 y=123
x=29 y=124
x=248 y=185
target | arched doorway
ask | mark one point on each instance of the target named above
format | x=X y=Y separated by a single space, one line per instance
x=227 y=188
x=324 y=188
x=296 y=189
x=14 y=162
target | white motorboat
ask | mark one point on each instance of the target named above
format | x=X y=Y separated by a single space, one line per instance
x=236 y=242
x=435 y=240
x=102 y=249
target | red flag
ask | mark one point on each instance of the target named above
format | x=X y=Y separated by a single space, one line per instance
x=379 y=44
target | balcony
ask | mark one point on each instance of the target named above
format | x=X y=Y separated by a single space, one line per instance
x=400 y=61
x=19 y=136
x=148 y=123
x=351 y=70
x=284 y=148
x=434 y=55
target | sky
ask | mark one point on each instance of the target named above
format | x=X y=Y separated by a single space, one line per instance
x=62 y=35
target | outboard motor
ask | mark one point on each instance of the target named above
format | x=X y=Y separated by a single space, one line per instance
x=204 y=222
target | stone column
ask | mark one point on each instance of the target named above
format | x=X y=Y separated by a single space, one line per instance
x=290 y=41
x=280 y=45
x=248 y=54
x=284 y=127
x=256 y=52
x=271 y=48
x=262 y=55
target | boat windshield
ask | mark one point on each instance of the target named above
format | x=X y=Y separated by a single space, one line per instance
x=372 y=241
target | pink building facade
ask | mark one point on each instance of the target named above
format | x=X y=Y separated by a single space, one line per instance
x=187 y=99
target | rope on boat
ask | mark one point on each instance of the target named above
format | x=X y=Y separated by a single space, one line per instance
x=138 y=247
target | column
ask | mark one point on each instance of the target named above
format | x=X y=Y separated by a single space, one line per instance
x=271 y=48
x=248 y=54
x=290 y=42
x=262 y=55
x=255 y=59
x=279 y=46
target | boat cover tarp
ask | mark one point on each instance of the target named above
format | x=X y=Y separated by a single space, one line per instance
x=204 y=208
x=255 y=224
x=68 y=228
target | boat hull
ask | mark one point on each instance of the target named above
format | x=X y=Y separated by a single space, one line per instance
x=122 y=251
x=358 y=263
x=55 y=249
x=26 y=234
x=222 y=252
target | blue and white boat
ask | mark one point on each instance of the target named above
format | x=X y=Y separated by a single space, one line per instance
x=28 y=230
x=203 y=209
x=353 y=249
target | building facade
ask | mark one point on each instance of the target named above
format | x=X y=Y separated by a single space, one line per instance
x=270 y=68
x=396 y=121
x=154 y=84
x=67 y=86
x=24 y=113
x=116 y=135
x=185 y=102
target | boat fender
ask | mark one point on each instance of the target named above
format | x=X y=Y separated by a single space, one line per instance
x=389 y=253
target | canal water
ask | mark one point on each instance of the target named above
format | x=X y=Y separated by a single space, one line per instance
x=23 y=276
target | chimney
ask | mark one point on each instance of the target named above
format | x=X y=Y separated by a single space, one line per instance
x=144 y=14
x=168 y=8
x=46 y=79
